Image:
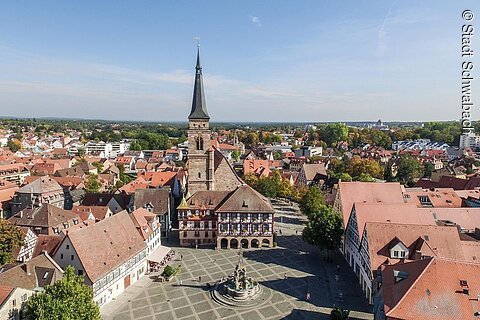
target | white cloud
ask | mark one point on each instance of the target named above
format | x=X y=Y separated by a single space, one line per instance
x=256 y=21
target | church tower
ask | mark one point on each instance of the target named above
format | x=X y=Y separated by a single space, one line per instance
x=200 y=153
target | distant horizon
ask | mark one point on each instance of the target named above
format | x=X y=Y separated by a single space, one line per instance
x=2 y=117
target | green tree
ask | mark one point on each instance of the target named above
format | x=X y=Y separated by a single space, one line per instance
x=345 y=177
x=428 y=168
x=93 y=185
x=267 y=187
x=14 y=145
x=409 y=170
x=67 y=299
x=98 y=165
x=82 y=152
x=236 y=154
x=365 y=177
x=11 y=238
x=333 y=133
x=324 y=229
x=312 y=201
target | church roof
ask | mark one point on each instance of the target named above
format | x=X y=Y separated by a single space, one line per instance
x=199 y=105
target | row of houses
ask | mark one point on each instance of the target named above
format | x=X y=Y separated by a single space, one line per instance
x=394 y=236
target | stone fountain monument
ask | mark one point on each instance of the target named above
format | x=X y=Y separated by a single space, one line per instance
x=238 y=290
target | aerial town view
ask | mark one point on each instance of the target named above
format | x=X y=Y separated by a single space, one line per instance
x=239 y=160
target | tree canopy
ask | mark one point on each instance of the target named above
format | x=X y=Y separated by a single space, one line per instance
x=409 y=170
x=324 y=229
x=67 y=299
x=312 y=201
x=11 y=238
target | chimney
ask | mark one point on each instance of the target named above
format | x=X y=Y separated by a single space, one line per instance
x=26 y=267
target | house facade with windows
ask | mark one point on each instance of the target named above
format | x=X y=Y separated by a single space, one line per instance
x=111 y=254
x=12 y=302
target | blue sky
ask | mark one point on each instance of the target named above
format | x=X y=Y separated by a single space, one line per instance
x=263 y=60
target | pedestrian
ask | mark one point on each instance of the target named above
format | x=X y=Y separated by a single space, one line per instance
x=199 y=278
x=196 y=246
x=181 y=257
x=308 y=296
x=296 y=231
x=285 y=276
x=280 y=231
x=181 y=283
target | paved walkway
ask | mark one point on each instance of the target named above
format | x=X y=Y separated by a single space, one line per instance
x=306 y=272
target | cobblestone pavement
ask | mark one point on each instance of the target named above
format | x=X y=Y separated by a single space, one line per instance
x=305 y=269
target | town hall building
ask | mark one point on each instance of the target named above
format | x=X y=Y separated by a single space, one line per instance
x=221 y=209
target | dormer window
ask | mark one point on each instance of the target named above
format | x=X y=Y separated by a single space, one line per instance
x=398 y=250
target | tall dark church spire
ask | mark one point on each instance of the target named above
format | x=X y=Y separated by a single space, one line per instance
x=199 y=106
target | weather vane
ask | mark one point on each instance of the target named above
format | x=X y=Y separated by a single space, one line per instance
x=197 y=38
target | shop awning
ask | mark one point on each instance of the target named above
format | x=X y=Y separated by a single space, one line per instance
x=158 y=254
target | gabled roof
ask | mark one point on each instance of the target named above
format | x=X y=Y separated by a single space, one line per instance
x=142 y=220
x=102 y=199
x=45 y=216
x=5 y=292
x=159 y=199
x=42 y=185
x=30 y=275
x=311 y=170
x=368 y=192
x=433 y=241
x=207 y=199
x=433 y=290
x=46 y=243
x=391 y=213
x=105 y=245
x=245 y=198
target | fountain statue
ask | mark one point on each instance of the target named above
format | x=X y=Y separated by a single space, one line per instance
x=238 y=289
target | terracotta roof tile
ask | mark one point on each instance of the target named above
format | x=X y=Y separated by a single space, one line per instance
x=107 y=244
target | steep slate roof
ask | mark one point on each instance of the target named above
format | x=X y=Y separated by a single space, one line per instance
x=42 y=185
x=432 y=291
x=245 y=198
x=45 y=216
x=17 y=275
x=368 y=192
x=199 y=105
x=107 y=244
x=158 y=198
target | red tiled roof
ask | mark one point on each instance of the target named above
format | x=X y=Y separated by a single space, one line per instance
x=433 y=290
x=368 y=192
x=107 y=244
